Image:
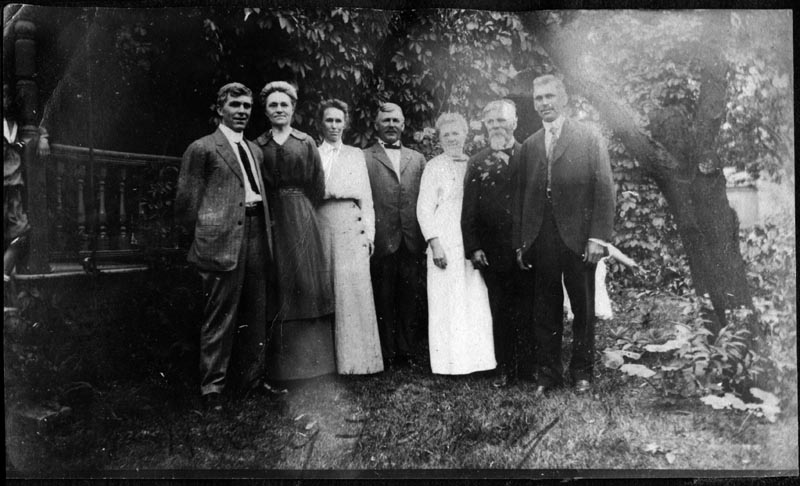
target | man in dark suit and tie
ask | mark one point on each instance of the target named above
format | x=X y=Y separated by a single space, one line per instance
x=394 y=175
x=221 y=201
x=486 y=223
x=563 y=213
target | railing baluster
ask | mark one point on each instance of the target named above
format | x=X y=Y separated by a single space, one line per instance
x=60 y=214
x=102 y=216
x=124 y=241
x=118 y=175
x=82 y=233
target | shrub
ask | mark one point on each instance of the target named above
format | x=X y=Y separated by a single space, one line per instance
x=733 y=367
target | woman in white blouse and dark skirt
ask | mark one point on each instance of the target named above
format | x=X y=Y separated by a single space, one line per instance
x=347 y=224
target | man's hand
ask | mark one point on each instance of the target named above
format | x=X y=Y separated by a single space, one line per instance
x=522 y=265
x=593 y=252
x=439 y=257
x=43 y=148
x=479 y=260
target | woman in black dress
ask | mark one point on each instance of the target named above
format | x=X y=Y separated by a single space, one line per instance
x=301 y=338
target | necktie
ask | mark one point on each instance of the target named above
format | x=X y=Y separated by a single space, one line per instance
x=550 y=148
x=389 y=146
x=247 y=169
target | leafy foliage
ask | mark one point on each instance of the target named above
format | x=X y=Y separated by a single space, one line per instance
x=644 y=229
x=154 y=224
x=427 y=61
x=757 y=132
x=689 y=362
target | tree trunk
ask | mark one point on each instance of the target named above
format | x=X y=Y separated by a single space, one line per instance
x=680 y=158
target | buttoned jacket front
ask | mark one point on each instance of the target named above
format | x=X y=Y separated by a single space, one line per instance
x=395 y=199
x=582 y=188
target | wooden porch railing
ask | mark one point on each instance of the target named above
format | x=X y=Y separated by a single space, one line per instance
x=114 y=207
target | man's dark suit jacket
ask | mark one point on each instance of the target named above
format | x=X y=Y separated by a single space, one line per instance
x=210 y=201
x=582 y=188
x=486 y=219
x=395 y=200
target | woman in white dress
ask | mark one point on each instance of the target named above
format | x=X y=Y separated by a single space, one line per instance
x=347 y=226
x=459 y=319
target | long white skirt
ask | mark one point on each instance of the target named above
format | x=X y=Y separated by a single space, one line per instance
x=459 y=319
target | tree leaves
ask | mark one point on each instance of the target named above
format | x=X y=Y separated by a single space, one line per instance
x=768 y=408
x=637 y=370
x=429 y=62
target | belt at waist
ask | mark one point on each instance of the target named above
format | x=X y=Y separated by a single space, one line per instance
x=290 y=191
x=254 y=209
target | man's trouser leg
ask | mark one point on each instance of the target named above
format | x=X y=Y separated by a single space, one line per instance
x=225 y=300
x=384 y=275
x=579 y=281
x=405 y=300
x=548 y=323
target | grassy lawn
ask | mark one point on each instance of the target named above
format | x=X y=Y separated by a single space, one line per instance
x=410 y=419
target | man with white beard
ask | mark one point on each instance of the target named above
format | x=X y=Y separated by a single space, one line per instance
x=486 y=224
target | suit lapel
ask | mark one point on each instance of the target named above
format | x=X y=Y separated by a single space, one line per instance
x=563 y=140
x=541 y=151
x=254 y=149
x=380 y=155
x=405 y=159
x=226 y=152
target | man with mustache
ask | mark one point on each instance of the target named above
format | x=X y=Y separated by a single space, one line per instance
x=563 y=214
x=394 y=174
x=486 y=221
x=221 y=201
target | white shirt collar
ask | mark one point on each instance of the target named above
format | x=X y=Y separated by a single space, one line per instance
x=383 y=144
x=328 y=147
x=558 y=123
x=9 y=130
x=233 y=137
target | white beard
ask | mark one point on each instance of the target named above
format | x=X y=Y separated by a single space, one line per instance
x=498 y=142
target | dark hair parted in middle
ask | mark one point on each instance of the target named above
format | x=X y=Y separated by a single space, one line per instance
x=334 y=103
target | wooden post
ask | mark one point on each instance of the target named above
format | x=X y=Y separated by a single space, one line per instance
x=34 y=167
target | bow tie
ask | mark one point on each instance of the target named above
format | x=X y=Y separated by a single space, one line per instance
x=507 y=151
x=390 y=146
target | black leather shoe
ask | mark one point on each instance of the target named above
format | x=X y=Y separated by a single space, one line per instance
x=582 y=386
x=501 y=381
x=504 y=380
x=264 y=389
x=213 y=402
x=543 y=390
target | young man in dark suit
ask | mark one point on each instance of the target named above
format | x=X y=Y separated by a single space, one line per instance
x=486 y=228
x=563 y=212
x=221 y=201
x=394 y=175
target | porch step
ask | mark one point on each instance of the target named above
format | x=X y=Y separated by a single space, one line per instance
x=61 y=270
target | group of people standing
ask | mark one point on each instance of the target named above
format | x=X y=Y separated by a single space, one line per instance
x=311 y=255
